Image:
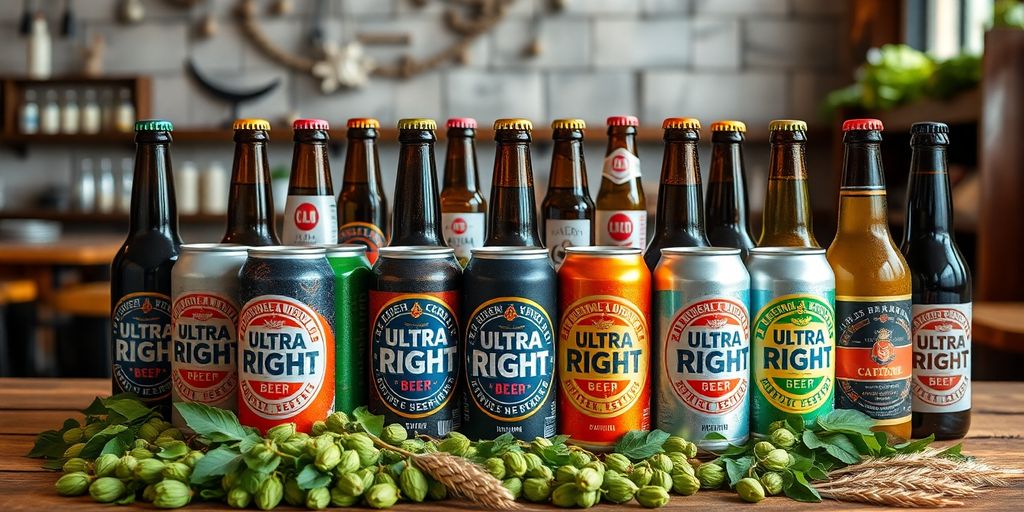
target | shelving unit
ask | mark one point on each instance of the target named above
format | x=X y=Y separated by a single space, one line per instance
x=73 y=217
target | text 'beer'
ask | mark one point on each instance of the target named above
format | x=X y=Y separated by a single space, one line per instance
x=311 y=212
x=251 y=203
x=787 y=203
x=621 y=215
x=416 y=216
x=512 y=219
x=362 y=205
x=463 y=209
x=726 y=202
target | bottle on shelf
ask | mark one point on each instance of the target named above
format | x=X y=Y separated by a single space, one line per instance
x=28 y=118
x=124 y=196
x=215 y=189
x=40 y=49
x=91 y=115
x=187 y=187
x=49 y=122
x=70 y=119
x=108 y=111
x=125 y=117
x=106 y=189
x=84 y=187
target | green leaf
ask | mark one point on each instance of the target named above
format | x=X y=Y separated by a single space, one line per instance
x=734 y=450
x=215 y=424
x=249 y=441
x=559 y=439
x=95 y=445
x=801 y=490
x=714 y=436
x=96 y=408
x=882 y=440
x=173 y=450
x=738 y=469
x=129 y=409
x=211 y=494
x=496 y=447
x=555 y=455
x=796 y=422
x=372 y=423
x=914 y=446
x=801 y=462
x=310 y=478
x=639 y=444
x=119 y=443
x=847 y=421
x=54 y=464
x=127 y=499
x=816 y=472
x=836 y=445
x=49 y=445
x=954 y=453
x=217 y=462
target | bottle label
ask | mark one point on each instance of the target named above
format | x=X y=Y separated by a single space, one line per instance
x=363 y=233
x=620 y=166
x=560 y=234
x=142 y=337
x=624 y=228
x=942 y=357
x=510 y=358
x=414 y=351
x=464 y=231
x=603 y=353
x=874 y=357
x=204 y=348
x=310 y=220
x=287 y=352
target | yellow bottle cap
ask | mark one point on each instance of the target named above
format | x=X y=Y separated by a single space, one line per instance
x=513 y=124
x=251 y=124
x=417 y=123
x=729 y=126
x=681 y=123
x=363 y=122
x=568 y=124
x=787 y=125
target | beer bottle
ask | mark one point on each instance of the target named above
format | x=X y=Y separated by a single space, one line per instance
x=621 y=216
x=311 y=212
x=512 y=219
x=567 y=210
x=679 y=221
x=941 y=325
x=787 y=205
x=463 y=209
x=140 y=275
x=873 y=350
x=362 y=205
x=726 y=208
x=250 y=202
x=416 y=218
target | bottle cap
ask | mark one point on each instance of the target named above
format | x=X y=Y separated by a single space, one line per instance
x=684 y=123
x=462 y=122
x=929 y=127
x=363 y=122
x=787 y=125
x=622 y=121
x=153 y=125
x=862 y=124
x=417 y=123
x=729 y=126
x=514 y=123
x=251 y=124
x=310 y=124
x=568 y=124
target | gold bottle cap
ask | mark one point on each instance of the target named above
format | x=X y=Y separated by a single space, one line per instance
x=787 y=125
x=729 y=126
x=681 y=123
x=417 y=123
x=251 y=124
x=568 y=124
x=363 y=122
x=513 y=124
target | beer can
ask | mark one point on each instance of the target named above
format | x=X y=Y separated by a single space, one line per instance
x=204 y=323
x=351 y=306
x=604 y=300
x=701 y=351
x=286 y=333
x=414 y=338
x=792 y=291
x=509 y=303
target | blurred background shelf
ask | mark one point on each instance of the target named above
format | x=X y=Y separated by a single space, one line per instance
x=99 y=218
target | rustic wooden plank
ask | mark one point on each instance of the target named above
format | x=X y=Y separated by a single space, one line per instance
x=998 y=397
x=34 y=422
x=58 y=394
x=12 y=454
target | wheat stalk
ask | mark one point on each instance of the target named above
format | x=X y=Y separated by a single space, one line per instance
x=890 y=497
x=918 y=479
x=466 y=479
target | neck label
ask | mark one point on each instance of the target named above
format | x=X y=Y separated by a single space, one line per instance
x=310 y=220
x=463 y=231
x=620 y=166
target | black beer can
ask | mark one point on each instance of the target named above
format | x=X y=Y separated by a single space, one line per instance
x=509 y=304
x=414 y=338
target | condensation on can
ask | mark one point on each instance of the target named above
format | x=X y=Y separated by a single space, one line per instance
x=351 y=307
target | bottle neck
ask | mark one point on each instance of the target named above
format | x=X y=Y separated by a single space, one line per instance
x=512 y=165
x=862 y=201
x=727 y=191
x=621 y=137
x=311 y=171
x=567 y=168
x=153 y=202
x=362 y=163
x=929 y=200
x=250 y=203
x=786 y=159
x=680 y=201
x=460 y=169
x=417 y=211
x=512 y=219
x=787 y=206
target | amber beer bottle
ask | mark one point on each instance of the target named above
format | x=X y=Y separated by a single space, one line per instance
x=726 y=204
x=621 y=216
x=787 y=204
x=941 y=324
x=512 y=219
x=140 y=275
x=567 y=211
x=416 y=217
x=873 y=346
x=311 y=212
x=679 y=221
x=463 y=209
x=250 y=202
x=362 y=205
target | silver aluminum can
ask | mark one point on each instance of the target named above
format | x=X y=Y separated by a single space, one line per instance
x=792 y=363
x=204 y=317
x=702 y=345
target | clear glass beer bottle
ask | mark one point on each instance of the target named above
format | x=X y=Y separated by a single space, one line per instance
x=512 y=219
x=250 y=201
x=726 y=202
x=463 y=208
x=362 y=205
x=621 y=216
x=311 y=212
x=416 y=217
x=567 y=211
x=787 y=205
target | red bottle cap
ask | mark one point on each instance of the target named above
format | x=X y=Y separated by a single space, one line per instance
x=310 y=124
x=623 y=121
x=862 y=124
x=462 y=122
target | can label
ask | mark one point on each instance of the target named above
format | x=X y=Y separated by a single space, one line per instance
x=510 y=359
x=624 y=228
x=560 y=234
x=414 y=352
x=874 y=357
x=464 y=231
x=287 y=358
x=363 y=233
x=310 y=220
x=792 y=357
x=942 y=357
x=620 y=166
x=142 y=337
x=205 y=344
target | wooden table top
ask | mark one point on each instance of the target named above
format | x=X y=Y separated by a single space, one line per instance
x=29 y=406
x=76 y=250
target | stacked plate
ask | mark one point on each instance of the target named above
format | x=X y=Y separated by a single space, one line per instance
x=29 y=230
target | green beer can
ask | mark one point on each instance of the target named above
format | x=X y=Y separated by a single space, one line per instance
x=351 y=307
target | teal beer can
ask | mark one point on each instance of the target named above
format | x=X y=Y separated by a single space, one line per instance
x=351 y=307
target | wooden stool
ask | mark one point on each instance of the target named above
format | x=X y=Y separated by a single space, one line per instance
x=18 y=327
x=83 y=343
x=998 y=338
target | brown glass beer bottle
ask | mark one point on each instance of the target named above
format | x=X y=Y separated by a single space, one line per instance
x=787 y=204
x=362 y=205
x=416 y=217
x=512 y=219
x=250 y=201
x=726 y=203
x=311 y=212
x=567 y=212
x=463 y=209
x=621 y=215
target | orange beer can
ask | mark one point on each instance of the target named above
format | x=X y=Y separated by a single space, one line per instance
x=603 y=345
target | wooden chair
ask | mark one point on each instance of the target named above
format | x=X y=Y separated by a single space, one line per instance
x=83 y=342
